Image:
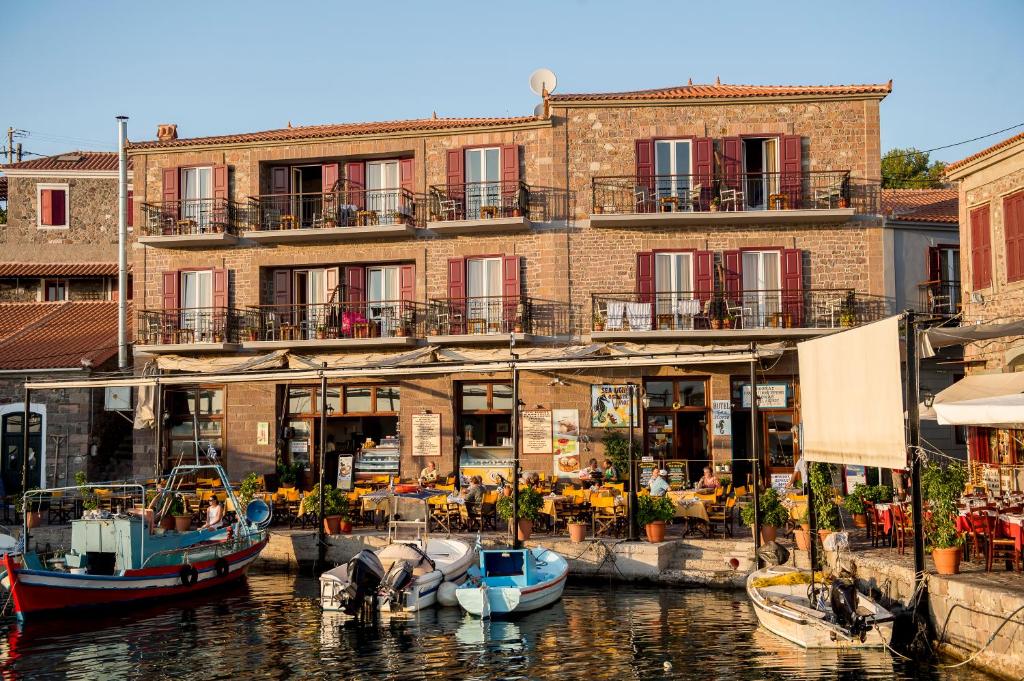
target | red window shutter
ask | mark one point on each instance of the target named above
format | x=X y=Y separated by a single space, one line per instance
x=280 y=180
x=130 y=217
x=511 y=289
x=46 y=206
x=58 y=209
x=645 y=164
x=793 y=286
x=645 y=276
x=981 y=248
x=977 y=444
x=704 y=168
x=220 y=289
x=220 y=182
x=355 y=177
x=1013 y=226
x=791 y=165
x=283 y=295
x=456 y=173
x=407 y=180
x=733 y=261
x=456 y=294
x=732 y=162
x=510 y=166
x=328 y=177
x=171 y=178
x=934 y=264
x=355 y=284
x=171 y=279
x=703 y=274
x=407 y=282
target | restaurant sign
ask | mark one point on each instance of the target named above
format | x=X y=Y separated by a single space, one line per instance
x=769 y=395
x=610 y=407
x=565 y=438
x=721 y=417
x=345 y=473
x=536 y=431
x=677 y=475
x=426 y=435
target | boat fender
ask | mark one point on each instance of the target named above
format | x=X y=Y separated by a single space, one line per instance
x=189 y=575
x=485 y=603
x=446 y=594
x=222 y=567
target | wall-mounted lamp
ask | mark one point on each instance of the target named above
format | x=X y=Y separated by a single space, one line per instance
x=646 y=400
x=928 y=397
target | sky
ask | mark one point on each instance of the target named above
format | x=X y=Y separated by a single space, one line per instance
x=218 y=67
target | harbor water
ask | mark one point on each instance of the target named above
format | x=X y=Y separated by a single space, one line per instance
x=271 y=627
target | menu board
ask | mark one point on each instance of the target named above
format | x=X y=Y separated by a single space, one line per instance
x=644 y=472
x=565 y=440
x=780 y=481
x=993 y=481
x=345 y=472
x=426 y=435
x=769 y=395
x=855 y=475
x=536 y=431
x=610 y=406
x=678 y=478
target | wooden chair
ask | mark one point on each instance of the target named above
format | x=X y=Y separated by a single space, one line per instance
x=901 y=527
x=470 y=515
x=876 y=528
x=1000 y=547
x=607 y=516
x=723 y=514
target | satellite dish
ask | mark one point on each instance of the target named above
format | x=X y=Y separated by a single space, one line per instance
x=538 y=110
x=543 y=79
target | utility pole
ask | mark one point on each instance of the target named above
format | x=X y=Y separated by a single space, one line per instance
x=10 y=145
x=754 y=453
x=122 y=243
x=19 y=152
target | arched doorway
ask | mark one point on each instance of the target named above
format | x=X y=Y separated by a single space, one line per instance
x=12 y=441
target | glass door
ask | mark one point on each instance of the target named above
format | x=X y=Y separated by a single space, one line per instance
x=382 y=295
x=483 y=180
x=13 y=443
x=673 y=278
x=483 y=289
x=197 y=303
x=382 y=184
x=672 y=170
x=762 y=284
x=197 y=196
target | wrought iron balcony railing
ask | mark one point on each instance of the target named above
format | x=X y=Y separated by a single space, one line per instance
x=485 y=200
x=742 y=192
x=346 y=207
x=747 y=309
x=343 y=320
x=188 y=325
x=939 y=296
x=498 y=315
x=191 y=217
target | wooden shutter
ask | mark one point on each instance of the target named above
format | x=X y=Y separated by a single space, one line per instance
x=355 y=284
x=732 y=162
x=456 y=173
x=407 y=282
x=510 y=166
x=793 y=287
x=280 y=180
x=791 y=166
x=703 y=275
x=704 y=169
x=934 y=266
x=977 y=444
x=733 y=261
x=645 y=276
x=171 y=192
x=58 y=211
x=218 y=215
x=355 y=178
x=283 y=295
x=46 y=206
x=171 y=281
x=1013 y=226
x=456 y=295
x=332 y=279
x=328 y=177
x=220 y=289
x=981 y=248
x=406 y=170
x=511 y=289
x=645 y=169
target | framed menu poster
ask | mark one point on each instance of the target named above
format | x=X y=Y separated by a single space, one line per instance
x=537 y=431
x=677 y=475
x=426 y=435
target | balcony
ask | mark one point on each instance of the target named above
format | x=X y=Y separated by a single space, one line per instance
x=191 y=223
x=747 y=315
x=194 y=329
x=494 y=319
x=939 y=297
x=748 y=198
x=348 y=213
x=485 y=207
x=370 y=324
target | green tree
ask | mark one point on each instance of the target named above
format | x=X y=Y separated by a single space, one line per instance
x=910 y=168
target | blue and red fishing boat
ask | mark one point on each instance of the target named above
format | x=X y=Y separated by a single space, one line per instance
x=123 y=557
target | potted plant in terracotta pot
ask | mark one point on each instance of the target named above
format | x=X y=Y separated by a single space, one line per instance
x=773 y=514
x=715 y=203
x=653 y=512
x=598 y=321
x=942 y=487
x=335 y=509
x=577 y=529
x=802 y=534
x=826 y=511
x=853 y=504
x=33 y=516
x=530 y=503
x=182 y=518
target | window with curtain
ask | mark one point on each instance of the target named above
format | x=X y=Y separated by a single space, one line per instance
x=673 y=281
x=672 y=167
x=382 y=183
x=762 y=284
x=483 y=288
x=197 y=301
x=483 y=179
x=196 y=194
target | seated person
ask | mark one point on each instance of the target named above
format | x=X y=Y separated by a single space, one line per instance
x=533 y=481
x=709 y=481
x=474 y=494
x=428 y=476
x=610 y=474
x=214 y=515
x=590 y=475
x=659 y=483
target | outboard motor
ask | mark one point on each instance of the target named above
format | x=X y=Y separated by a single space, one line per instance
x=772 y=553
x=364 y=575
x=843 y=599
x=395 y=582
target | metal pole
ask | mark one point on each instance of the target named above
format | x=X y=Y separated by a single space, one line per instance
x=159 y=399
x=122 y=242
x=322 y=446
x=812 y=522
x=914 y=437
x=24 y=466
x=195 y=421
x=754 y=453
x=634 y=528
x=514 y=527
x=10 y=145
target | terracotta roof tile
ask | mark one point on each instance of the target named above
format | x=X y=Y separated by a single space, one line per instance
x=71 y=161
x=57 y=335
x=984 y=152
x=340 y=130
x=921 y=205
x=722 y=91
x=42 y=269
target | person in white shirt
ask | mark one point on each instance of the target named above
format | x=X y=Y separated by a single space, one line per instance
x=214 y=515
x=659 y=483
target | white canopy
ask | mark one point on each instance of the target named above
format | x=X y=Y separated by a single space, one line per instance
x=943 y=336
x=981 y=400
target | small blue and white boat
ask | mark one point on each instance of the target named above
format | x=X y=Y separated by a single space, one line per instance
x=513 y=581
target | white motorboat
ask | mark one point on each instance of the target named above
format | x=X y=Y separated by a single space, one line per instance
x=828 y=616
x=513 y=581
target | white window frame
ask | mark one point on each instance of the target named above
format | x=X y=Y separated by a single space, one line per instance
x=673 y=185
x=767 y=298
x=383 y=199
x=66 y=188
x=481 y=192
x=46 y=280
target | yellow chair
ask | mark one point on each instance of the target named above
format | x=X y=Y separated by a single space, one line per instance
x=607 y=515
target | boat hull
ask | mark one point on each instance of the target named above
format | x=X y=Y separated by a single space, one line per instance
x=484 y=600
x=38 y=592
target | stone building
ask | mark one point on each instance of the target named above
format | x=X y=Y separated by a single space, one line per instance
x=991 y=193
x=701 y=217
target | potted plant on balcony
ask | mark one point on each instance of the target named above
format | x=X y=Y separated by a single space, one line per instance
x=321 y=332
x=653 y=512
x=773 y=514
x=728 y=320
x=530 y=503
x=598 y=321
x=714 y=205
x=942 y=487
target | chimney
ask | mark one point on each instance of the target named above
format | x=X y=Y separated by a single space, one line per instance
x=167 y=131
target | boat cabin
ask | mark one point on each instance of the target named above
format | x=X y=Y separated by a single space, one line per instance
x=508 y=567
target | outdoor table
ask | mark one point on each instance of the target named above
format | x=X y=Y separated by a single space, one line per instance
x=690 y=507
x=1012 y=526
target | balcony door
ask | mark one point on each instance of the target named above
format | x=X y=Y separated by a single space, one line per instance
x=483 y=290
x=761 y=171
x=383 y=291
x=382 y=184
x=311 y=297
x=197 y=302
x=673 y=281
x=483 y=179
x=762 y=287
x=197 y=195
x=672 y=168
